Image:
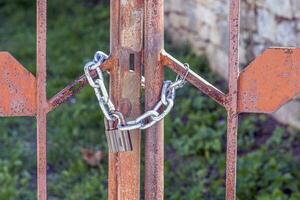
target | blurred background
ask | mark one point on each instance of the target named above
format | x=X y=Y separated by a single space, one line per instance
x=195 y=132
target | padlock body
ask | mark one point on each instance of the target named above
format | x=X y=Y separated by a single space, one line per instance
x=118 y=141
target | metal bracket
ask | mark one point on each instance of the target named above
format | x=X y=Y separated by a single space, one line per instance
x=17 y=88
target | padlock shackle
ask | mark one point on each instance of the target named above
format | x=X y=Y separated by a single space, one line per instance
x=119 y=116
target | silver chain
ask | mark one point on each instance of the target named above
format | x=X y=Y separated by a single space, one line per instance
x=147 y=119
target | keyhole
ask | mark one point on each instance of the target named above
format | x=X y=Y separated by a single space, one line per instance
x=131 y=62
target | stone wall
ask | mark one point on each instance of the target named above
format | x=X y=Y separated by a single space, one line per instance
x=264 y=23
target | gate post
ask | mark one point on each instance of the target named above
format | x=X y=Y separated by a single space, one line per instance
x=154 y=77
x=126 y=26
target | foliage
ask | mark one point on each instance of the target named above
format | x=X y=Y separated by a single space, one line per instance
x=195 y=135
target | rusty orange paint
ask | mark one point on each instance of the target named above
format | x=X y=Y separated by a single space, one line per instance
x=154 y=78
x=17 y=88
x=270 y=81
x=193 y=78
x=41 y=98
x=232 y=96
x=125 y=90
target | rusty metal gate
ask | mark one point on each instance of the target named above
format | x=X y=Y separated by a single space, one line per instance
x=137 y=39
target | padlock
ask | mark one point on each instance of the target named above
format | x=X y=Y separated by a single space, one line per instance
x=118 y=141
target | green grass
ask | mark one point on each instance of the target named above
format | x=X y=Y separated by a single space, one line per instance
x=195 y=132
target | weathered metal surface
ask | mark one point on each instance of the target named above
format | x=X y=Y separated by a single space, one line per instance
x=68 y=92
x=193 y=78
x=41 y=100
x=270 y=81
x=154 y=76
x=125 y=88
x=232 y=100
x=17 y=88
x=76 y=86
x=132 y=25
x=113 y=172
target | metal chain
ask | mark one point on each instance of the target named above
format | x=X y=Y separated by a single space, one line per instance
x=105 y=103
x=147 y=119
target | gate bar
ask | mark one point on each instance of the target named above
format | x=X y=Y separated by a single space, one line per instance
x=232 y=97
x=154 y=77
x=76 y=86
x=125 y=90
x=41 y=100
x=193 y=78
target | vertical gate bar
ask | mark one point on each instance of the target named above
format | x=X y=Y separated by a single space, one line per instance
x=125 y=90
x=114 y=87
x=41 y=100
x=154 y=77
x=232 y=107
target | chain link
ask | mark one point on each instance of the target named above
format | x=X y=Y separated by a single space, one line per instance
x=146 y=120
